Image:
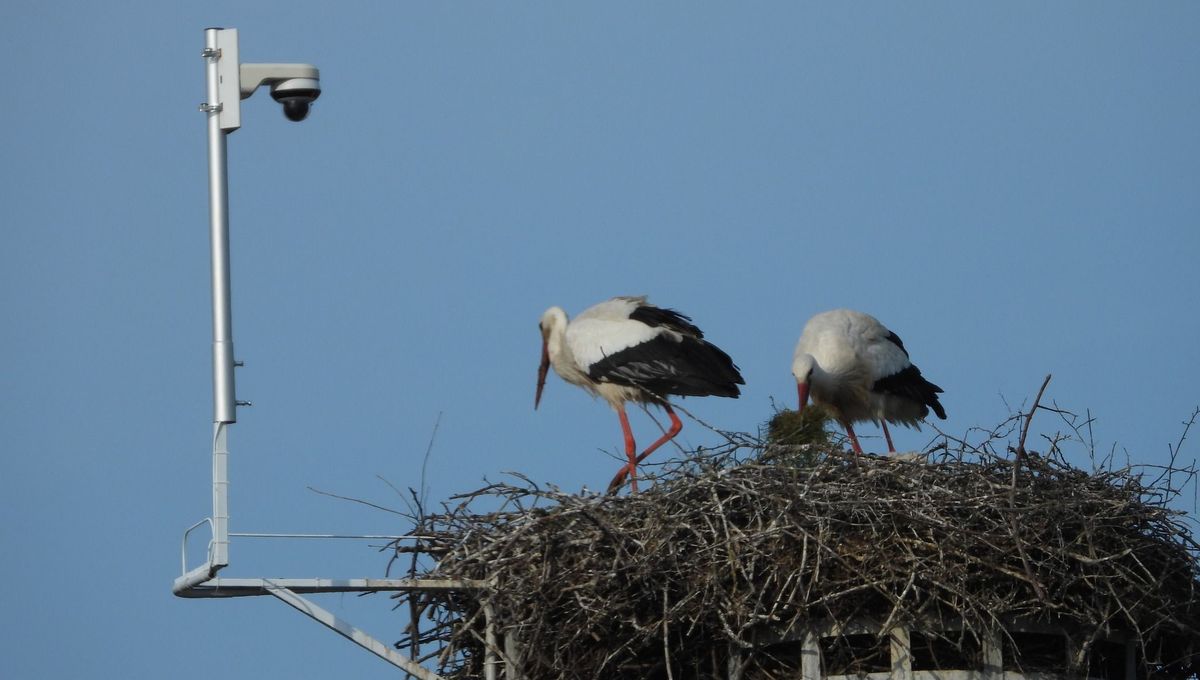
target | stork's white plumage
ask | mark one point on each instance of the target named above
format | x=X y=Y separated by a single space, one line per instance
x=626 y=349
x=853 y=365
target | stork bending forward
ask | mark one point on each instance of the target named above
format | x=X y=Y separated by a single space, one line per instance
x=853 y=365
x=626 y=349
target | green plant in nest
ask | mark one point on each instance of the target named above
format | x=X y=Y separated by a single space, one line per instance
x=795 y=437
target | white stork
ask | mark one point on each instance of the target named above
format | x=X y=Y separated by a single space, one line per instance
x=626 y=349
x=853 y=365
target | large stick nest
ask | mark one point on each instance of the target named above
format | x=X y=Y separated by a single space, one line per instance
x=721 y=551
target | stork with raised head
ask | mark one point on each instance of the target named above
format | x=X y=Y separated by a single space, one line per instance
x=858 y=369
x=626 y=349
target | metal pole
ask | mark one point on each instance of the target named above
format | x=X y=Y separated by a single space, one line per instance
x=224 y=404
x=490 y=660
x=224 y=401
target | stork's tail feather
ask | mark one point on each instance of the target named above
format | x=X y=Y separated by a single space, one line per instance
x=934 y=404
x=910 y=385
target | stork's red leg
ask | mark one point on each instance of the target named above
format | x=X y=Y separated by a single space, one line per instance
x=850 y=433
x=630 y=452
x=676 y=426
x=888 y=436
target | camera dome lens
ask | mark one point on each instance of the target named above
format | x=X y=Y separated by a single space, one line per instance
x=295 y=108
x=295 y=97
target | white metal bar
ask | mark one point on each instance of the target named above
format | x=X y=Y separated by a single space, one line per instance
x=247 y=534
x=512 y=656
x=250 y=587
x=219 y=550
x=183 y=550
x=810 y=657
x=993 y=656
x=351 y=633
x=736 y=663
x=900 y=643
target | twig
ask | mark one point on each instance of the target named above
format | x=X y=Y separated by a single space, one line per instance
x=666 y=618
x=428 y=452
x=1029 y=419
x=1187 y=425
x=356 y=500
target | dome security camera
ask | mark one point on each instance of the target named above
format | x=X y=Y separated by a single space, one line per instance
x=296 y=86
x=296 y=95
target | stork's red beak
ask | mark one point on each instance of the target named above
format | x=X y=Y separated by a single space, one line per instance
x=802 y=391
x=545 y=366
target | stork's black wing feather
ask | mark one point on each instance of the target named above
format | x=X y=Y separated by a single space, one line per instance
x=671 y=364
x=657 y=317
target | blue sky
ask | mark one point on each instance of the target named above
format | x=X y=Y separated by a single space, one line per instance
x=1014 y=188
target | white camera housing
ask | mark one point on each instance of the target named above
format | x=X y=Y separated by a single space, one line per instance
x=295 y=86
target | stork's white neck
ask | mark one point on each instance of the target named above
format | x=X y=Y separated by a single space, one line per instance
x=554 y=325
